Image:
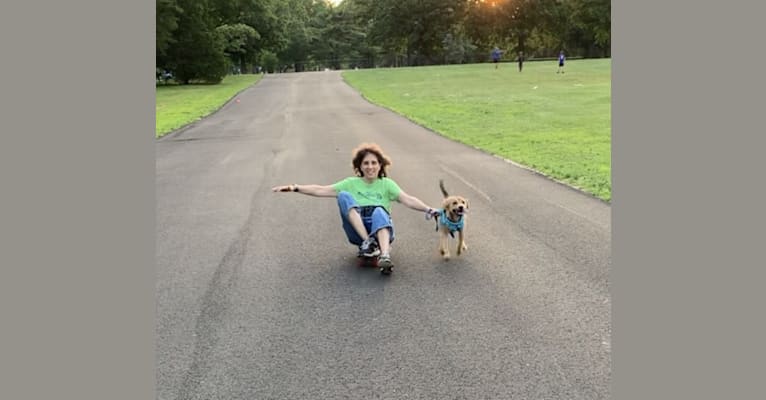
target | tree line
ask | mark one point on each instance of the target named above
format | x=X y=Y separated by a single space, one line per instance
x=204 y=40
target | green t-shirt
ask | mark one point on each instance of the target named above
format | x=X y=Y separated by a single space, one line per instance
x=378 y=193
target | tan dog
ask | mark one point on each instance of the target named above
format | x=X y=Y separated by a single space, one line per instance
x=451 y=220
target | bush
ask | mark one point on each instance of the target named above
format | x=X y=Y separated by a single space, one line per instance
x=269 y=61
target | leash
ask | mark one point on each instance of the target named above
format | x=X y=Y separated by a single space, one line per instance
x=431 y=213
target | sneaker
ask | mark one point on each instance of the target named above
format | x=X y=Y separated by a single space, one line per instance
x=369 y=248
x=385 y=264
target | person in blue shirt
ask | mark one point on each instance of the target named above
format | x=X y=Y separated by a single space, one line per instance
x=561 y=62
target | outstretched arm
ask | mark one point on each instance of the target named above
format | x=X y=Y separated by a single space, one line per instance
x=414 y=203
x=311 y=190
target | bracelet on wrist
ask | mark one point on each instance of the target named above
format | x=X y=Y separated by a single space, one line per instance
x=295 y=187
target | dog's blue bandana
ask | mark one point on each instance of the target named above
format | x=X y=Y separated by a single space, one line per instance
x=452 y=226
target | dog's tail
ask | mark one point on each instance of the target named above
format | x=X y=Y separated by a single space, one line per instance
x=441 y=186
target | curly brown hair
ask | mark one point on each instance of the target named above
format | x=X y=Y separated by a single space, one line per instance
x=362 y=150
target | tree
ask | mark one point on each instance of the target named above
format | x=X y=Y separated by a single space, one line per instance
x=166 y=25
x=197 y=53
x=342 y=38
x=520 y=19
x=457 y=48
x=264 y=16
x=556 y=26
x=416 y=27
x=194 y=38
x=269 y=61
x=237 y=41
x=481 y=23
x=297 y=19
x=593 y=19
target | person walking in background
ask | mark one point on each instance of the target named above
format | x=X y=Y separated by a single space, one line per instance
x=496 y=54
x=561 y=62
x=521 y=61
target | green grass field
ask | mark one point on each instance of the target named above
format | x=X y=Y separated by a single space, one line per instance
x=179 y=105
x=557 y=124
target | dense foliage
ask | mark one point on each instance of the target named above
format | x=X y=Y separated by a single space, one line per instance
x=203 y=40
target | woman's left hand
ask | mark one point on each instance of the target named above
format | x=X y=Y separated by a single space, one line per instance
x=287 y=188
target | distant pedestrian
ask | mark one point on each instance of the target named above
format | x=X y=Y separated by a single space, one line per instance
x=496 y=54
x=521 y=61
x=561 y=62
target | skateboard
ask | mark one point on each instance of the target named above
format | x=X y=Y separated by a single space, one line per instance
x=365 y=261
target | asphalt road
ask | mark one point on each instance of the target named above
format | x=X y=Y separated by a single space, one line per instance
x=259 y=295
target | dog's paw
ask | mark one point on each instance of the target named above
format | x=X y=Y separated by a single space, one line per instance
x=444 y=250
x=461 y=249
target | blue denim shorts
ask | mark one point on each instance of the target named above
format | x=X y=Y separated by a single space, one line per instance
x=374 y=218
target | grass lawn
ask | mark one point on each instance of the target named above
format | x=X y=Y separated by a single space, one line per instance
x=557 y=124
x=179 y=105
